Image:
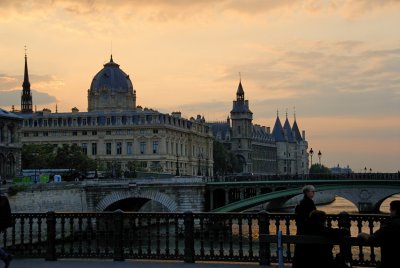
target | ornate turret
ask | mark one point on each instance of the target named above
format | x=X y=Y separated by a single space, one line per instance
x=26 y=97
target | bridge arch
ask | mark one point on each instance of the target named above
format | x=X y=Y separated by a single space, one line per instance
x=159 y=197
x=380 y=202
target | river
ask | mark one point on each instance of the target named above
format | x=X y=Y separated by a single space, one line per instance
x=340 y=204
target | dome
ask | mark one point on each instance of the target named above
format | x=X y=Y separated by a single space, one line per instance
x=111 y=90
x=111 y=77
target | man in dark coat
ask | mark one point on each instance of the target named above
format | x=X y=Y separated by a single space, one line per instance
x=388 y=237
x=304 y=208
x=5 y=222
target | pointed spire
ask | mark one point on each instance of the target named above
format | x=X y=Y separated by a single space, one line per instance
x=26 y=85
x=294 y=113
x=111 y=59
x=277 y=112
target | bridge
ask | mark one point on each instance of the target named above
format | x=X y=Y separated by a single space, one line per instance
x=197 y=194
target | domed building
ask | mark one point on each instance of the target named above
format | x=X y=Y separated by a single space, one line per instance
x=116 y=132
x=111 y=90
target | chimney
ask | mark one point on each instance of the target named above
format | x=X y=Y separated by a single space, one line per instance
x=269 y=130
x=304 y=135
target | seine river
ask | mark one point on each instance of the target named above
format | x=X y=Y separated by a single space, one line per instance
x=340 y=204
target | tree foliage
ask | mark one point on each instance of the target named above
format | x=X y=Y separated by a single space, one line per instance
x=319 y=169
x=225 y=162
x=47 y=156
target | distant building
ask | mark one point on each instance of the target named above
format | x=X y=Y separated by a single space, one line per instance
x=116 y=131
x=284 y=151
x=341 y=170
x=10 y=144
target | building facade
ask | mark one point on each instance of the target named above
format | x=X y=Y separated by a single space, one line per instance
x=10 y=145
x=116 y=131
x=260 y=151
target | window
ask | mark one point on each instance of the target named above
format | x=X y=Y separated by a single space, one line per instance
x=74 y=133
x=35 y=134
x=94 y=132
x=84 y=121
x=45 y=123
x=84 y=148
x=155 y=147
x=118 y=120
x=142 y=147
x=129 y=148
x=119 y=147
x=55 y=122
x=26 y=134
x=84 y=133
x=238 y=128
x=108 y=132
x=108 y=148
x=45 y=133
x=155 y=131
x=94 y=148
x=108 y=121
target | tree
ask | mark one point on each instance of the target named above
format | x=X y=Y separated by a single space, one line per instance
x=319 y=169
x=225 y=161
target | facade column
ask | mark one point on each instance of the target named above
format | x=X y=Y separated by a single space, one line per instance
x=211 y=199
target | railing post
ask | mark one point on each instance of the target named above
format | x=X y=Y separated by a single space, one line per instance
x=263 y=227
x=345 y=224
x=118 y=235
x=189 y=237
x=51 y=236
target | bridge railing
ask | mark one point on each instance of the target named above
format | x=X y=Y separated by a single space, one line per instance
x=303 y=177
x=242 y=237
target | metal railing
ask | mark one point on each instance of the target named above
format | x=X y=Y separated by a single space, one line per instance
x=190 y=237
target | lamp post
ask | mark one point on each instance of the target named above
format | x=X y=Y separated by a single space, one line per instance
x=319 y=157
x=177 y=165
x=365 y=170
x=311 y=155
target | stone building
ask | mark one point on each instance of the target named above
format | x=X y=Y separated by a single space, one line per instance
x=284 y=151
x=116 y=131
x=10 y=145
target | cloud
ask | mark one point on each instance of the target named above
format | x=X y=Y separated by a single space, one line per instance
x=167 y=10
x=13 y=97
x=11 y=86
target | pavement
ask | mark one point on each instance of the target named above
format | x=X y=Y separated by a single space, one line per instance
x=96 y=263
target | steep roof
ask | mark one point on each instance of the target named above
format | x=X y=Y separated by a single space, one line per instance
x=6 y=114
x=288 y=131
x=278 y=131
x=296 y=132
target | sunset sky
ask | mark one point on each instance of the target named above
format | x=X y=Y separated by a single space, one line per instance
x=337 y=62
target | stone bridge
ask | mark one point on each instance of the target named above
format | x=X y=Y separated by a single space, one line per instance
x=180 y=194
x=177 y=194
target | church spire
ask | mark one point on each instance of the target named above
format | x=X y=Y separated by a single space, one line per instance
x=26 y=97
x=26 y=85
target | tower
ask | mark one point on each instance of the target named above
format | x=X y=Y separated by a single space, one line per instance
x=26 y=97
x=241 y=118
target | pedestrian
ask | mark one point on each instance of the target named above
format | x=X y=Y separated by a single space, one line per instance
x=304 y=208
x=5 y=222
x=317 y=255
x=388 y=237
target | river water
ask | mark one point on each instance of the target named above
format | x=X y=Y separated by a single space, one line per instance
x=340 y=204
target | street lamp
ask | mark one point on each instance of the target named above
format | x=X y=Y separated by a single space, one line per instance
x=365 y=170
x=177 y=165
x=311 y=155
x=319 y=157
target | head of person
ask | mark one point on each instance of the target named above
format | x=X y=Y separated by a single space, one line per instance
x=309 y=191
x=317 y=217
x=395 y=208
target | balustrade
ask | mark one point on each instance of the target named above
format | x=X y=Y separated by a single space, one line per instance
x=244 y=237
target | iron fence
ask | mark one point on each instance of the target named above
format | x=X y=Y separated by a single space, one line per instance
x=190 y=237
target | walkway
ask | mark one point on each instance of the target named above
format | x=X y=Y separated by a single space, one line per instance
x=96 y=263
